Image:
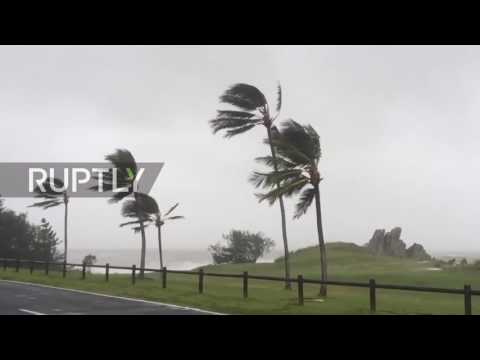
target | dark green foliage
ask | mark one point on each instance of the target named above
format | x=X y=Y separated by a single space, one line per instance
x=252 y=110
x=124 y=163
x=141 y=207
x=298 y=154
x=241 y=247
x=244 y=96
x=47 y=242
x=21 y=239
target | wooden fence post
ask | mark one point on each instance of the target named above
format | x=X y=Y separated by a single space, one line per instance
x=200 y=281
x=17 y=266
x=467 y=289
x=64 y=270
x=300 y=289
x=84 y=269
x=373 y=296
x=47 y=267
x=107 y=270
x=245 y=284
x=164 y=277
x=31 y=267
x=134 y=269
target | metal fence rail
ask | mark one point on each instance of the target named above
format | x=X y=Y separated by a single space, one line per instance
x=467 y=291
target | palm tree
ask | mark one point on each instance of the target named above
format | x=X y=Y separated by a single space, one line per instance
x=126 y=171
x=159 y=222
x=54 y=197
x=154 y=216
x=252 y=109
x=299 y=153
x=141 y=207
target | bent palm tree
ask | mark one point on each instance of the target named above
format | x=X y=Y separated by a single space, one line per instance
x=49 y=190
x=159 y=222
x=121 y=176
x=154 y=216
x=141 y=207
x=298 y=157
x=253 y=110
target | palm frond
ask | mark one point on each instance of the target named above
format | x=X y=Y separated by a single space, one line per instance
x=230 y=123
x=227 y=114
x=176 y=217
x=259 y=179
x=129 y=209
x=286 y=189
x=122 y=177
x=47 y=204
x=134 y=222
x=146 y=203
x=304 y=202
x=171 y=209
x=298 y=143
x=244 y=96
x=282 y=163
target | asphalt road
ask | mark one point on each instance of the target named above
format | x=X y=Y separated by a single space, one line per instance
x=31 y=299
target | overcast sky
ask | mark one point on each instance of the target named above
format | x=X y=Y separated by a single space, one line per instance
x=399 y=129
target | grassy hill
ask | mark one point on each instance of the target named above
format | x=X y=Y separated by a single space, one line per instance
x=346 y=262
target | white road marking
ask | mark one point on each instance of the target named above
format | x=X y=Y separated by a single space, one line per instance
x=31 y=312
x=115 y=297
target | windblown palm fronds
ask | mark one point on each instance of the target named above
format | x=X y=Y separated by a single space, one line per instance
x=298 y=155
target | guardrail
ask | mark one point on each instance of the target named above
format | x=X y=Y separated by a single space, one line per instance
x=372 y=285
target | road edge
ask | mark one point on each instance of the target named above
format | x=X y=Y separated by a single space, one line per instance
x=115 y=297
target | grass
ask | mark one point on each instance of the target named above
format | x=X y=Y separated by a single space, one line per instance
x=346 y=262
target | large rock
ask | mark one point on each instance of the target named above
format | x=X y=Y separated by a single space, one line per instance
x=394 y=246
x=389 y=243
x=416 y=251
x=376 y=243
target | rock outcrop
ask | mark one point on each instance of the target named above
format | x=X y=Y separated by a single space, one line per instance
x=416 y=251
x=390 y=243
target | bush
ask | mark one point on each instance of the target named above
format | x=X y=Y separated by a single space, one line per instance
x=241 y=247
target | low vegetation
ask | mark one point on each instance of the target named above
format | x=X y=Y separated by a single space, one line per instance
x=347 y=262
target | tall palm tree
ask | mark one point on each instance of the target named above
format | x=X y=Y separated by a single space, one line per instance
x=126 y=170
x=53 y=197
x=159 y=222
x=141 y=207
x=252 y=109
x=299 y=153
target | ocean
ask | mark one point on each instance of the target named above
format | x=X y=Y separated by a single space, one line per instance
x=174 y=259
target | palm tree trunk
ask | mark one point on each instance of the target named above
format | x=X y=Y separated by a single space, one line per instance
x=160 y=245
x=321 y=243
x=65 y=230
x=288 y=285
x=142 y=254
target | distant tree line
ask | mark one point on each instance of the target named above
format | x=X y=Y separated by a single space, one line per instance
x=19 y=238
